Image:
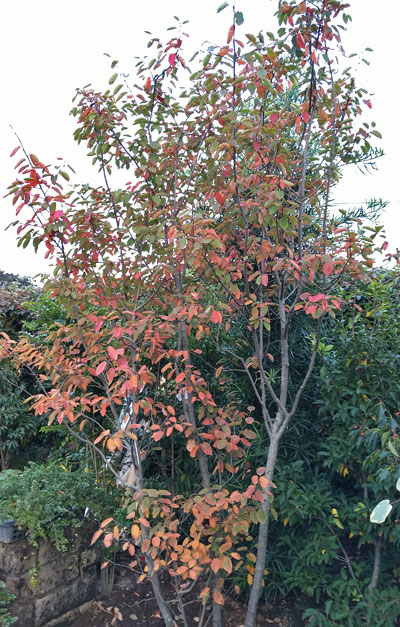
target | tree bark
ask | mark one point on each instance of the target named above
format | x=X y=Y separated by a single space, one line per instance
x=377 y=566
x=251 y=614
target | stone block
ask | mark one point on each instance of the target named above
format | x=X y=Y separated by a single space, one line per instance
x=67 y=597
x=17 y=558
x=89 y=558
x=56 y=573
x=20 y=586
x=24 y=612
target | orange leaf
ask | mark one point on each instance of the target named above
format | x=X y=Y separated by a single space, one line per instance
x=231 y=32
x=216 y=316
x=106 y=522
x=158 y=435
x=206 y=448
x=108 y=539
x=135 y=532
x=215 y=565
x=218 y=597
x=96 y=535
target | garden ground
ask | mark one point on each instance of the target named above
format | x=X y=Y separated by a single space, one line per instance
x=132 y=604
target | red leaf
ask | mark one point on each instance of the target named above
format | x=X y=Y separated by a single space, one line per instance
x=216 y=316
x=264 y=279
x=306 y=116
x=113 y=353
x=172 y=60
x=231 y=32
x=98 y=325
x=220 y=198
x=327 y=268
x=274 y=117
x=257 y=145
x=117 y=332
x=101 y=367
x=14 y=151
x=300 y=41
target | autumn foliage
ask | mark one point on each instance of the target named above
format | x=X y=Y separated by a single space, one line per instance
x=223 y=225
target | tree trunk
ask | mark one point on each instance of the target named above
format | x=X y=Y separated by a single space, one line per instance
x=161 y=602
x=377 y=566
x=251 y=614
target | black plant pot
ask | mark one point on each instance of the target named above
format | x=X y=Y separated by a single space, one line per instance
x=9 y=532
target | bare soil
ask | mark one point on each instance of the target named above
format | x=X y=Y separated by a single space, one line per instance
x=132 y=604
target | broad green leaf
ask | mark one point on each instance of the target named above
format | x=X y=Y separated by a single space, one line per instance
x=112 y=79
x=392 y=448
x=262 y=516
x=239 y=19
x=381 y=512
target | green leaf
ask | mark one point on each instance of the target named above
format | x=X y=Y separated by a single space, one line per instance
x=239 y=19
x=377 y=134
x=262 y=516
x=283 y=223
x=392 y=448
x=222 y=6
x=112 y=79
x=206 y=59
x=381 y=512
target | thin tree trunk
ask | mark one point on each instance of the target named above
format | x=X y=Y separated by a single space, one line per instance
x=161 y=602
x=251 y=614
x=377 y=566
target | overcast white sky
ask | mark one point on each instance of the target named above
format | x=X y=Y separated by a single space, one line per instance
x=49 y=48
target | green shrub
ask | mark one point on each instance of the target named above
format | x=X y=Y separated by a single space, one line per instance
x=45 y=499
x=5 y=597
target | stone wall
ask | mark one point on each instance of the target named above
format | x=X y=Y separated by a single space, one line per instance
x=48 y=583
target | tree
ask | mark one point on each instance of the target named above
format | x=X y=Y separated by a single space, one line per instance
x=224 y=225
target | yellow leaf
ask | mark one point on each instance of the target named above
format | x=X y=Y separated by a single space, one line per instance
x=334 y=512
x=285 y=522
